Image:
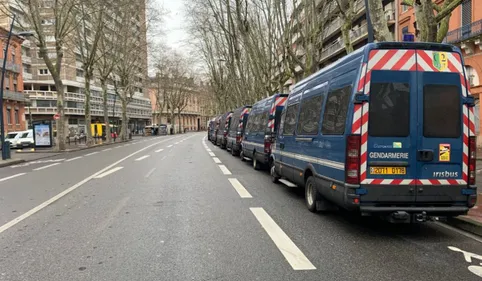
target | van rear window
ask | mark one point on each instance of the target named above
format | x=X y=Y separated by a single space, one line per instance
x=389 y=113
x=441 y=111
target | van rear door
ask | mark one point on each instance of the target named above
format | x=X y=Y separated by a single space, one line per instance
x=442 y=172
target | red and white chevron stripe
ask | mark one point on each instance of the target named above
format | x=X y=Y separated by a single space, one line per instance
x=279 y=101
x=409 y=60
x=241 y=118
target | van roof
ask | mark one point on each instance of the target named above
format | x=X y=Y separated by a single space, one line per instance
x=363 y=52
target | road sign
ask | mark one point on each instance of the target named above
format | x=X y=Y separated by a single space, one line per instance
x=57 y=116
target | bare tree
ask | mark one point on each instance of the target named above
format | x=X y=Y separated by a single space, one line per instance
x=432 y=18
x=379 y=21
x=60 y=16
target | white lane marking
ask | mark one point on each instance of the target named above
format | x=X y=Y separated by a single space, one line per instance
x=177 y=143
x=73 y=159
x=240 y=188
x=142 y=158
x=45 y=167
x=159 y=150
x=169 y=145
x=287 y=247
x=70 y=189
x=107 y=149
x=92 y=153
x=118 y=146
x=466 y=234
x=150 y=172
x=208 y=150
x=224 y=170
x=109 y=172
x=163 y=158
x=14 y=176
x=212 y=154
x=216 y=160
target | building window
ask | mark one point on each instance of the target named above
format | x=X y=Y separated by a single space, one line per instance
x=9 y=117
x=80 y=73
x=43 y=71
x=15 y=88
x=466 y=12
x=45 y=103
x=405 y=30
x=17 y=120
x=404 y=8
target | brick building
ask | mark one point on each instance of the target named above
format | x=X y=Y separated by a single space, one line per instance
x=465 y=31
x=13 y=96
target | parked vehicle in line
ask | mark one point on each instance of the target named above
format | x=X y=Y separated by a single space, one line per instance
x=26 y=139
x=163 y=129
x=13 y=138
x=214 y=136
x=387 y=130
x=211 y=127
x=223 y=125
x=237 y=128
x=261 y=129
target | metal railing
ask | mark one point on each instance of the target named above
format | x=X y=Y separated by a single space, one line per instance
x=337 y=46
x=465 y=32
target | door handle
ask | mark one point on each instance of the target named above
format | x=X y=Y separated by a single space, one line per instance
x=425 y=155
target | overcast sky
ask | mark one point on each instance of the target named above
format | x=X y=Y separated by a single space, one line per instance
x=174 y=26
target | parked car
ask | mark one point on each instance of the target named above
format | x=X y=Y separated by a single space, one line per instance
x=237 y=128
x=404 y=152
x=13 y=138
x=223 y=126
x=26 y=139
x=261 y=128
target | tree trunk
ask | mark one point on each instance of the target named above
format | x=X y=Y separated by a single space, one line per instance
x=106 y=110
x=124 y=129
x=345 y=32
x=61 y=111
x=88 y=117
x=179 y=117
x=379 y=21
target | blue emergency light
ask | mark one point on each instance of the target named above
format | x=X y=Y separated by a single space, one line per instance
x=408 y=37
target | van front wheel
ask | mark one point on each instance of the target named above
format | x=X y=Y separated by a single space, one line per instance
x=311 y=194
x=274 y=176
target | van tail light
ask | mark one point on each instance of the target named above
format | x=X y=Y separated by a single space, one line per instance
x=225 y=133
x=268 y=140
x=352 y=170
x=472 y=159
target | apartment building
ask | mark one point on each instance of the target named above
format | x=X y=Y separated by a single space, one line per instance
x=14 y=99
x=332 y=43
x=193 y=116
x=465 y=31
x=40 y=87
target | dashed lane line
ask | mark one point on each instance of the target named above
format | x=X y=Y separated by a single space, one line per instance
x=287 y=247
x=142 y=158
x=73 y=159
x=108 y=172
x=169 y=145
x=150 y=172
x=243 y=193
x=13 y=176
x=107 y=149
x=224 y=170
x=212 y=154
x=159 y=150
x=92 y=153
x=45 y=167
x=216 y=160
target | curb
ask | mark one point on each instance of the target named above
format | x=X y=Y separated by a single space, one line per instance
x=12 y=162
x=71 y=150
x=466 y=223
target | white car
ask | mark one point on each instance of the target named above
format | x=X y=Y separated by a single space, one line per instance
x=26 y=139
x=13 y=138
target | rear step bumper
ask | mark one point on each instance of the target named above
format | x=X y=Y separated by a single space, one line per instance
x=453 y=210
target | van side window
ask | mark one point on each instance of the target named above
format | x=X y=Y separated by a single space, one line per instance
x=441 y=111
x=282 y=121
x=290 y=119
x=389 y=113
x=336 y=110
x=310 y=114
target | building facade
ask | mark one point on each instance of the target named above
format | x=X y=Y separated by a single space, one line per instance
x=465 y=31
x=40 y=88
x=14 y=100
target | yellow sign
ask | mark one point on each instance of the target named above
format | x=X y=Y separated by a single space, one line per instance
x=388 y=170
x=440 y=60
x=444 y=152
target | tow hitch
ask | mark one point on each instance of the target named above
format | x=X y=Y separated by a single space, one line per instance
x=421 y=217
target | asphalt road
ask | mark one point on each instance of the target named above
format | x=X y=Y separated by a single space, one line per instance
x=163 y=209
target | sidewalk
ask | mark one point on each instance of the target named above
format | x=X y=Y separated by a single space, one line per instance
x=472 y=222
x=27 y=155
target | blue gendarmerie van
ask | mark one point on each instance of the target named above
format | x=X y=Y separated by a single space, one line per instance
x=237 y=128
x=223 y=125
x=261 y=128
x=211 y=127
x=386 y=130
x=214 y=134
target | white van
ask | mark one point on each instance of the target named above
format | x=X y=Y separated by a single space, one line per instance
x=13 y=138
x=26 y=139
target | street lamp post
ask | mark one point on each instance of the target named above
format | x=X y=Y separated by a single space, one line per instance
x=2 y=83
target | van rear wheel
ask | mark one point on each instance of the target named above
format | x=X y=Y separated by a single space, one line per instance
x=311 y=194
x=256 y=164
x=241 y=154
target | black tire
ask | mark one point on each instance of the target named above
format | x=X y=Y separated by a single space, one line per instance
x=311 y=194
x=233 y=152
x=256 y=164
x=241 y=154
x=274 y=176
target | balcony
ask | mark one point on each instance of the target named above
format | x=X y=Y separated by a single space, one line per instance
x=26 y=59
x=355 y=35
x=332 y=27
x=11 y=95
x=12 y=66
x=465 y=32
